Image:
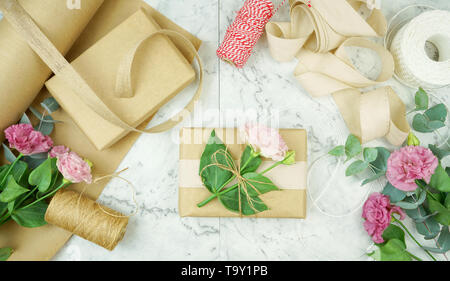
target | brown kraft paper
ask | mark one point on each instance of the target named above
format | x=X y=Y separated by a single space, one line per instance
x=44 y=242
x=289 y=202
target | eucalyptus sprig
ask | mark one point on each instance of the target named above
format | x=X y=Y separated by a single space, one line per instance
x=432 y=118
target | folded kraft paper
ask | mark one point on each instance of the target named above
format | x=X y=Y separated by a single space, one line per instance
x=289 y=202
x=44 y=242
x=159 y=72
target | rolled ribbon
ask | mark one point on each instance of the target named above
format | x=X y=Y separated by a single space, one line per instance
x=32 y=34
x=413 y=65
x=332 y=25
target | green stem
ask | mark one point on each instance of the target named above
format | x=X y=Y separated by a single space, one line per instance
x=426 y=190
x=213 y=196
x=414 y=239
x=63 y=184
x=27 y=196
x=10 y=169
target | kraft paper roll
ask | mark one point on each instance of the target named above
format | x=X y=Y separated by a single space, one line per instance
x=86 y=218
x=22 y=72
x=44 y=242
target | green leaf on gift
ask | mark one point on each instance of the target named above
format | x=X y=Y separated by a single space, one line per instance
x=421 y=100
x=437 y=113
x=395 y=195
x=50 y=105
x=42 y=175
x=393 y=250
x=370 y=154
x=253 y=164
x=32 y=216
x=338 y=151
x=10 y=157
x=5 y=253
x=440 y=180
x=439 y=153
x=356 y=167
x=12 y=190
x=259 y=182
x=352 y=147
x=443 y=213
x=214 y=177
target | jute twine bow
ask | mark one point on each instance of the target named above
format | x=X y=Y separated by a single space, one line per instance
x=242 y=182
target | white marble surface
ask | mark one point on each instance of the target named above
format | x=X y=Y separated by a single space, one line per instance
x=158 y=233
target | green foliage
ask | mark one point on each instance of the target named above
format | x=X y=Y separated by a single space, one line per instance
x=352 y=147
x=5 y=253
x=440 y=180
x=395 y=195
x=421 y=100
x=394 y=247
x=32 y=216
x=433 y=119
x=439 y=153
x=12 y=190
x=214 y=164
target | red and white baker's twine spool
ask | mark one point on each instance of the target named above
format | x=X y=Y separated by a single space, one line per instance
x=245 y=31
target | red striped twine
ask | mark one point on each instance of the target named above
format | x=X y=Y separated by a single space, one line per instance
x=247 y=28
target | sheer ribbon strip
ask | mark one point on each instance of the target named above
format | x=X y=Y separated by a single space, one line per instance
x=318 y=37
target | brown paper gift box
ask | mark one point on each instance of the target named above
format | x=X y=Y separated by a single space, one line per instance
x=289 y=202
x=42 y=243
x=159 y=72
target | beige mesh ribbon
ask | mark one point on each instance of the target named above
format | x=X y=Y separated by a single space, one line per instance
x=318 y=36
x=30 y=32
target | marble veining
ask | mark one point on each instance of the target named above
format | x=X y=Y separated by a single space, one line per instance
x=267 y=88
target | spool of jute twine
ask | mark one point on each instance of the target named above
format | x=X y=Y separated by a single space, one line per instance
x=86 y=218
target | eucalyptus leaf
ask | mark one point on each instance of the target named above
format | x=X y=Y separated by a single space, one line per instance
x=10 y=157
x=12 y=191
x=439 y=153
x=50 y=105
x=373 y=178
x=251 y=163
x=214 y=177
x=421 y=99
x=32 y=216
x=440 y=180
x=352 y=147
x=370 y=154
x=356 y=167
x=444 y=239
x=429 y=228
x=380 y=164
x=437 y=113
x=395 y=195
x=338 y=151
x=46 y=128
x=5 y=253
x=25 y=119
x=412 y=205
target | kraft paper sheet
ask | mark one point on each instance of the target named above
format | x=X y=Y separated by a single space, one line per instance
x=43 y=243
x=289 y=202
x=318 y=36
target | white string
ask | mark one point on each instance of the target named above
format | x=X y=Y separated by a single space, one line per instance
x=327 y=185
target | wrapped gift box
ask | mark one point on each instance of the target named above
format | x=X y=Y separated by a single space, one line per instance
x=289 y=202
x=160 y=71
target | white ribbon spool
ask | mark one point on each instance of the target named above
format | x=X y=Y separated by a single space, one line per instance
x=413 y=65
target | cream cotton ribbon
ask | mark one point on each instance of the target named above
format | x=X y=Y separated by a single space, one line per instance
x=318 y=36
x=31 y=33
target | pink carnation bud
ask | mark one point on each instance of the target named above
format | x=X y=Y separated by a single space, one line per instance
x=26 y=140
x=408 y=164
x=73 y=168
x=58 y=151
x=267 y=141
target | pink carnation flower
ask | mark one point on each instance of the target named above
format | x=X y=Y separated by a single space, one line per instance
x=377 y=212
x=26 y=140
x=267 y=141
x=73 y=168
x=58 y=151
x=409 y=164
